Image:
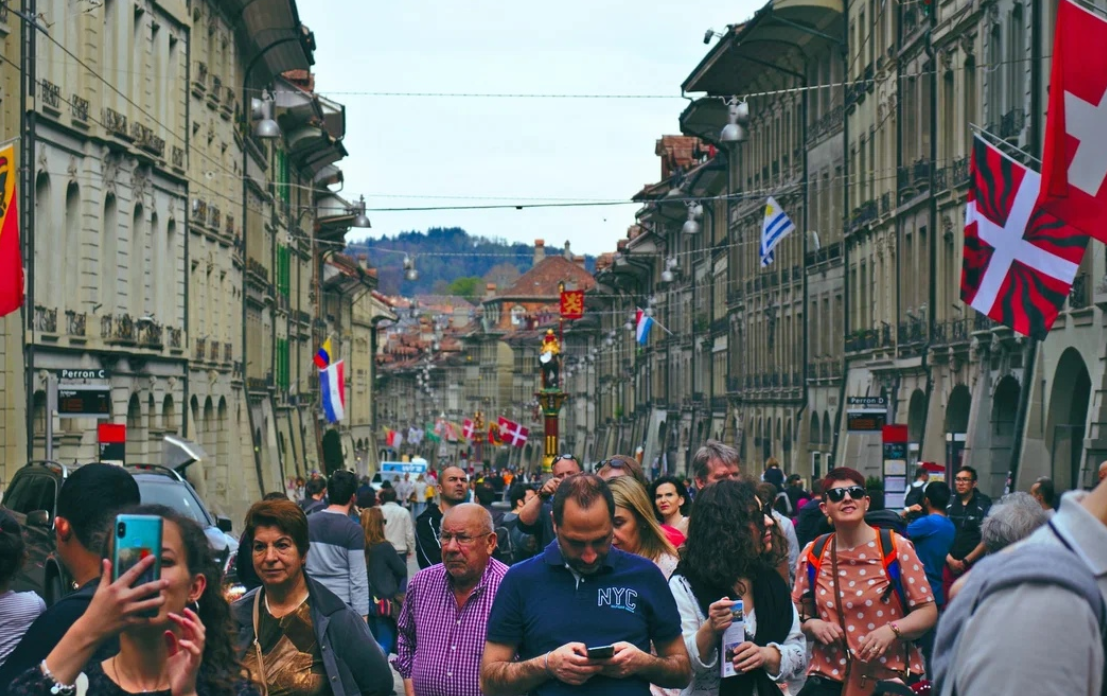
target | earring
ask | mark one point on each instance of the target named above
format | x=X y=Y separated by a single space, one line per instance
x=194 y=605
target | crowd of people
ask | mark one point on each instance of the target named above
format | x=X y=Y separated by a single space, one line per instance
x=726 y=583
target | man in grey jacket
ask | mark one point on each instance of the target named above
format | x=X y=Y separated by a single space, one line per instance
x=1000 y=646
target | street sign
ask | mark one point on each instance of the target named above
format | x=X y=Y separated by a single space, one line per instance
x=867 y=401
x=99 y=373
x=81 y=401
x=865 y=421
x=113 y=442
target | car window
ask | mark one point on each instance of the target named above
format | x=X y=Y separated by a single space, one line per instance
x=17 y=493
x=32 y=493
x=172 y=495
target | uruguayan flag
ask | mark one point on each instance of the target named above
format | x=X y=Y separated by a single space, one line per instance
x=776 y=227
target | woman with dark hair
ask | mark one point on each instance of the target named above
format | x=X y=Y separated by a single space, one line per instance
x=297 y=637
x=185 y=649
x=862 y=621
x=18 y=610
x=729 y=556
x=387 y=576
x=671 y=501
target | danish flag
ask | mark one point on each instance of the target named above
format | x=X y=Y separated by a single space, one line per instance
x=1074 y=163
x=513 y=432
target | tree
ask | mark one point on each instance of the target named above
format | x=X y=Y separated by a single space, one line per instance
x=468 y=287
x=502 y=274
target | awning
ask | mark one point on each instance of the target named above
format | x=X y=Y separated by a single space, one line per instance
x=178 y=452
x=272 y=28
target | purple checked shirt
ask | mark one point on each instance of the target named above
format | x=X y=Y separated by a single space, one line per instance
x=440 y=646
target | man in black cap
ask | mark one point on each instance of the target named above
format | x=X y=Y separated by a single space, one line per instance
x=87 y=504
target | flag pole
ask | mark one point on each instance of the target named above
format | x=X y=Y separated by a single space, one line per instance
x=1000 y=141
x=658 y=323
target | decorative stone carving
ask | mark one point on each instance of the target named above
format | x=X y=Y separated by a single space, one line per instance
x=968 y=44
x=72 y=169
x=111 y=171
x=945 y=57
x=43 y=161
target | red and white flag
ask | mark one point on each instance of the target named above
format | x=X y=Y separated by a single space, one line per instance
x=1074 y=163
x=467 y=429
x=513 y=433
x=1020 y=260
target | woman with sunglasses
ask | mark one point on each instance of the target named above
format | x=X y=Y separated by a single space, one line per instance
x=852 y=611
x=729 y=556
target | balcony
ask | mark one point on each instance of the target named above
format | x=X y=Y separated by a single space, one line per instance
x=200 y=348
x=941 y=178
x=256 y=384
x=981 y=322
x=46 y=320
x=960 y=171
x=76 y=324
x=117 y=329
x=150 y=335
x=903 y=182
x=175 y=336
x=51 y=96
x=1078 y=295
x=911 y=332
x=885 y=203
x=216 y=92
x=921 y=174
x=79 y=108
x=1012 y=124
x=228 y=225
x=733 y=385
x=115 y=123
x=200 y=84
x=863 y=340
x=144 y=138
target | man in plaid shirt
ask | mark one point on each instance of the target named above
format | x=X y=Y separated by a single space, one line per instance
x=445 y=614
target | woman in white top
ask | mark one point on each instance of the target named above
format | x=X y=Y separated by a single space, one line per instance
x=18 y=610
x=729 y=556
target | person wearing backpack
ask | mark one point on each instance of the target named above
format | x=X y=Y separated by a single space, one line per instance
x=1031 y=619
x=863 y=597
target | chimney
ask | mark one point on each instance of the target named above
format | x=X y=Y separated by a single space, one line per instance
x=579 y=260
x=568 y=251
x=539 y=251
x=489 y=291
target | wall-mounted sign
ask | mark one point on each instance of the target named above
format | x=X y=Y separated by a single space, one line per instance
x=80 y=401
x=867 y=401
x=865 y=421
x=99 y=373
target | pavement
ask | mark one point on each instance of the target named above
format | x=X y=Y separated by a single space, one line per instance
x=398 y=683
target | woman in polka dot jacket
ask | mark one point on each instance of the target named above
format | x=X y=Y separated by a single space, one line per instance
x=861 y=632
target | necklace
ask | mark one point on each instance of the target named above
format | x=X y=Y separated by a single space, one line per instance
x=141 y=688
x=269 y=609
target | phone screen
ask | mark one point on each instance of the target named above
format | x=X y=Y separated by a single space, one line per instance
x=135 y=538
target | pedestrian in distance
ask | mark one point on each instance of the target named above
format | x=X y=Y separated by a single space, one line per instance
x=174 y=633
x=729 y=557
x=715 y=462
x=387 y=573
x=1045 y=493
x=621 y=465
x=932 y=534
x=18 y=610
x=967 y=510
x=453 y=488
x=295 y=635
x=521 y=545
x=773 y=474
x=592 y=597
x=316 y=492
x=536 y=517
x=87 y=504
x=862 y=596
x=671 y=502
x=398 y=526
x=444 y=619
x=337 y=559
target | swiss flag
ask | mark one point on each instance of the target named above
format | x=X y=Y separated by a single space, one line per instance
x=1020 y=260
x=1074 y=164
x=467 y=429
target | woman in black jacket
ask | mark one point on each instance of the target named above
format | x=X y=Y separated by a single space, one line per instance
x=295 y=635
x=387 y=579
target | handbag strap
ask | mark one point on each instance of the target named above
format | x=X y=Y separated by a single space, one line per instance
x=263 y=682
x=838 y=605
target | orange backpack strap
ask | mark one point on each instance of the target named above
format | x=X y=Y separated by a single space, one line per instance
x=815 y=562
x=889 y=554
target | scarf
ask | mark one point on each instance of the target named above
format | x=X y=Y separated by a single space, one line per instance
x=773 y=604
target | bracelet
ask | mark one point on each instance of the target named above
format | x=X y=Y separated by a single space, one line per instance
x=895 y=629
x=58 y=689
x=547 y=664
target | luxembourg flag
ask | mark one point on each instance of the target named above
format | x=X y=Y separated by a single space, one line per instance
x=332 y=383
x=643 y=324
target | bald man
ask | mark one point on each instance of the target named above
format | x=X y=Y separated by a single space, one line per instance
x=453 y=486
x=445 y=615
x=1103 y=470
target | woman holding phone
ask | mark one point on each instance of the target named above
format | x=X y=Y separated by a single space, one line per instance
x=184 y=649
x=729 y=556
x=861 y=628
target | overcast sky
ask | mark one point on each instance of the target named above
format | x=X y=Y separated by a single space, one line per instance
x=512 y=149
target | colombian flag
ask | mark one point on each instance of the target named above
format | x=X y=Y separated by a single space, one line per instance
x=11 y=257
x=323 y=356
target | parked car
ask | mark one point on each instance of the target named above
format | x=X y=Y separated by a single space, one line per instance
x=31 y=497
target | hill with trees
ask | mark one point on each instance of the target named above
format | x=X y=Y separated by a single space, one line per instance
x=449 y=260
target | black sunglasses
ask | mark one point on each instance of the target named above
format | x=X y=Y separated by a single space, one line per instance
x=837 y=495
x=616 y=463
x=560 y=457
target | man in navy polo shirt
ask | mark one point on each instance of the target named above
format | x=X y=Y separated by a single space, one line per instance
x=580 y=593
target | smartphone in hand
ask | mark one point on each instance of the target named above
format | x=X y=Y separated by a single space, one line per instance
x=135 y=538
x=601 y=652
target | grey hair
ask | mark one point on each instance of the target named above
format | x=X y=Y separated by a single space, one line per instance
x=1012 y=519
x=713 y=449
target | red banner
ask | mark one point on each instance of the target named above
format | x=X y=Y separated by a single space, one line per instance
x=11 y=257
x=572 y=304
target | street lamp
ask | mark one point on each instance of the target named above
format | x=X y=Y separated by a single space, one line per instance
x=410 y=272
x=360 y=219
x=261 y=111
x=690 y=225
x=738 y=116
